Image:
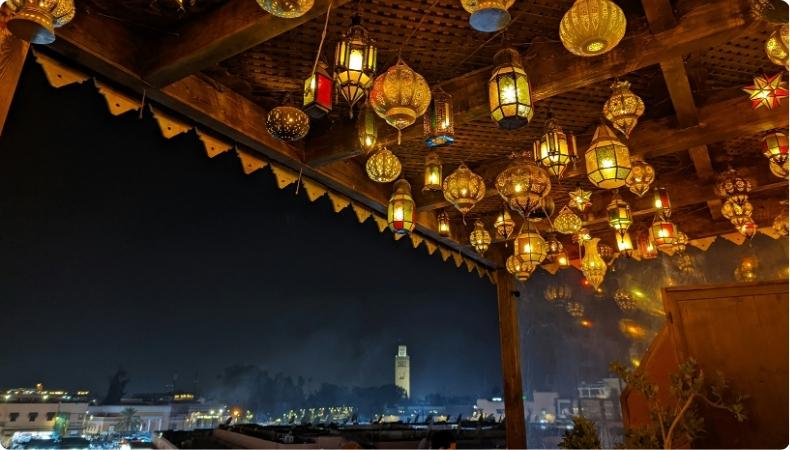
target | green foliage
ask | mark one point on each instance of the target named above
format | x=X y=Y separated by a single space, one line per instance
x=584 y=434
x=129 y=422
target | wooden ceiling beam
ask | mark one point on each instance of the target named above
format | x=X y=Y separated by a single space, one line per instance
x=12 y=59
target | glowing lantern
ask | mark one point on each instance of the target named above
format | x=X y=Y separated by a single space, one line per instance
x=641 y=176
x=575 y=309
x=775 y=147
x=553 y=247
x=747 y=269
x=624 y=108
x=555 y=149
x=608 y=161
x=488 y=15
x=511 y=264
x=562 y=260
x=593 y=266
x=663 y=233
x=367 y=131
x=632 y=329
x=504 y=224
x=567 y=222
x=287 y=123
x=318 y=92
x=383 y=166
x=287 y=9
x=737 y=214
x=509 y=92
x=624 y=244
x=681 y=242
x=480 y=238
x=733 y=186
x=779 y=170
x=767 y=91
x=438 y=120
x=355 y=62
x=592 y=27
x=557 y=293
x=624 y=300
x=443 y=224
x=463 y=188
x=748 y=229
x=433 y=173
x=647 y=248
x=581 y=236
x=619 y=213
x=780 y=222
x=400 y=95
x=776 y=46
x=580 y=199
x=523 y=184
x=661 y=201
x=35 y=21
x=400 y=212
x=521 y=271
x=530 y=248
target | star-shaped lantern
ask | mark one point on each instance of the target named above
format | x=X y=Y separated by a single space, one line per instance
x=767 y=91
x=580 y=199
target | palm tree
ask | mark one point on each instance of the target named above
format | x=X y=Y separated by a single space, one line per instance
x=129 y=421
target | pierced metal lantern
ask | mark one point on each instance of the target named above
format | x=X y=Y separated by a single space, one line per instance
x=383 y=166
x=592 y=265
x=624 y=300
x=504 y=224
x=400 y=211
x=443 y=224
x=661 y=201
x=438 y=124
x=557 y=293
x=647 y=248
x=776 y=46
x=480 y=238
x=624 y=244
x=432 y=172
x=530 y=248
x=355 y=62
x=287 y=9
x=775 y=147
x=318 y=89
x=555 y=149
x=575 y=309
x=641 y=176
x=619 y=213
x=463 y=188
x=521 y=271
x=733 y=186
x=488 y=16
x=367 y=130
x=553 y=247
x=523 y=184
x=608 y=160
x=567 y=222
x=681 y=242
x=35 y=21
x=580 y=199
x=287 y=123
x=737 y=213
x=509 y=92
x=624 y=108
x=592 y=27
x=400 y=95
x=663 y=233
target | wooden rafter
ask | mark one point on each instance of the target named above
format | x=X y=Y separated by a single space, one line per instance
x=12 y=58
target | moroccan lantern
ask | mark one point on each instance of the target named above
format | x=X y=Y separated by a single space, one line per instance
x=367 y=131
x=580 y=199
x=400 y=95
x=543 y=211
x=35 y=21
x=748 y=229
x=287 y=123
x=624 y=300
x=619 y=213
x=592 y=265
x=737 y=213
x=553 y=247
x=355 y=62
x=463 y=188
x=779 y=170
x=685 y=264
x=681 y=242
x=608 y=160
x=523 y=184
x=480 y=238
x=624 y=244
x=504 y=224
x=624 y=108
x=733 y=186
x=767 y=91
x=555 y=149
x=524 y=272
x=575 y=309
x=592 y=27
x=530 y=248
x=287 y=9
x=663 y=233
x=383 y=166
x=557 y=293
x=438 y=124
x=641 y=176
x=562 y=260
x=776 y=46
x=567 y=222
x=443 y=224
x=647 y=248
x=433 y=173
x=780 y=221
x=606 y=252
x=775 y=146
x=509 y=92
x=400 y=211
x=318 y=89
x=488 y=16
x=661 y=201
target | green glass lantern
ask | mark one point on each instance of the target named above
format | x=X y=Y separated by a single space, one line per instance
x=509 y=92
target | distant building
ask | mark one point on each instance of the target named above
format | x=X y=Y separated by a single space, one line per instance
x=36 y=410
x=402 y=370
x=600 y=402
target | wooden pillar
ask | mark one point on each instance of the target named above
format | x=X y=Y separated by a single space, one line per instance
x=511 y=361
x=12 y=59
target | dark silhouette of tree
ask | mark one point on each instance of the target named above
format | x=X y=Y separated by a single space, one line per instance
x=117 y=388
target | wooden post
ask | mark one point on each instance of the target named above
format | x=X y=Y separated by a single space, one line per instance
x=12 y=59
x=515 y=424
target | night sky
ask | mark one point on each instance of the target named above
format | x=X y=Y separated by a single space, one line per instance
x=118 y=246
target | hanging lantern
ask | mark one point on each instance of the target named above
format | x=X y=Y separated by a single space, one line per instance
x=623 y=108
x=35 y=21
x=779 y=170
x=509 y=92
x=521 y=271
x=523 y=184
x=512 y=265
x=367 y=131
x=581 y=236
x=318 y=92
x=530 y=248
x=776 y=46
x=681 y=242
x=443 y=224
x=593 y=266
x=624 y=300
x=624 y=244
x=400 y=95
x=480 y=238
x=287 y=123
x=641 y=176
x=488 y=16
x=543 y=211
x=733 y=186
x=463 y=188
x=780 y=221
x=737 y=214
x=553 y=247
x=580 y=199
x=661 y=201
x=663 y=233
x=606 y=252
x=562 y=260
x=355 y=62
x=619 y=213
x=557 y=293
x=748 y=229
x=608 y=161
x=767 y=91
x=575 y=309
x=433 y=173
x=400 y=212
x=504 y=225
x=383 y=166
x=567 y=222
x=438 y=121
x=775 y=146
x=287 y=9
x=555 y=149
x=647 y=248
x=592 y=27
x=685 y=264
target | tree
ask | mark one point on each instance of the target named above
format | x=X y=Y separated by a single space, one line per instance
x=117 y=388
x=584 y=434
x=129 y=422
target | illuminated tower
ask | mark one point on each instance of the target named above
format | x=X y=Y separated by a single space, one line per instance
x=402 y=369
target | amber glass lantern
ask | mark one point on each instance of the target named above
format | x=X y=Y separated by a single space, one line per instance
x=463 y=188
x=480 y=238
x=367 y=131
x=775 y=147
x=504 y=224
x=355 y=62
x=399 y=96
x=443 y=224
x=737 y=214
x=524 y=272
x=624 y=108
x=592 y=27
x=592 y=265
x=287 y=123
x=776 y=46
x=530 y=248
x=509 y=92
x=647 y=248
x=523 y=184
x=383 y=166
x=488 y=16
x=624 y=244
x=35 y=21
x=567 y=222
x=779 y=170
x=433 y=173
x=663 y=233
x=562 y=260
x=661 y=201
x=437 y=122
x=400 y=212
x=287 y=9
x=641 y=176
x=555 y=149
x=608 y=160
x=619 y=213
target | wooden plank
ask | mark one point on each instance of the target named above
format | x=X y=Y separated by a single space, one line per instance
x=12 y=59
x=515 y=424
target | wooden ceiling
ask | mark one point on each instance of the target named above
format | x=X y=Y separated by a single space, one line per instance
x=687 y=59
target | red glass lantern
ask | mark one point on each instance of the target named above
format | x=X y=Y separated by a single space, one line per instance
x=775 y=147
x=661 y=201
x=647 y=248
x=318 y=92
x=664 y=233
